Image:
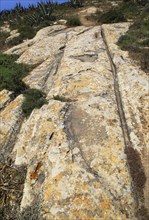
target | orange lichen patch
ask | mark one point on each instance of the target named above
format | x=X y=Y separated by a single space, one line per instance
x=51 y=191
x=58 y=177
x=80 y=214
x=34 y=174
x=82 y=200
x=105 y=205
x=85 y=186
x=96 y=185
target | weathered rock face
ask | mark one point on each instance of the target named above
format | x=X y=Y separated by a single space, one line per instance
x=77 y=147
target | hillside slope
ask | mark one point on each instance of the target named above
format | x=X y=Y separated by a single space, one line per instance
x=86 y=150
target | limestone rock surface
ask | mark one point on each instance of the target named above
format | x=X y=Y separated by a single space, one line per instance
x=75 y=147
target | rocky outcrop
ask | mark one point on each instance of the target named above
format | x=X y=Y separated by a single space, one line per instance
x=86 y=149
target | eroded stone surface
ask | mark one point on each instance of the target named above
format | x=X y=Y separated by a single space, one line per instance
x=74 y=146
x=133 y=84
x=4 y=98
x=10 y=119
x=78 y=145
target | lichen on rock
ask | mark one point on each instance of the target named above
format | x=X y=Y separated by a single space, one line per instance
x=74 y=146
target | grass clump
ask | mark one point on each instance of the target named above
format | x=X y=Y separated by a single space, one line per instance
x=33 y=99
x=72 y=22
x=61 y=98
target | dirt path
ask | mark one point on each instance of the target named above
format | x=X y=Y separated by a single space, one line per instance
x=88 y=11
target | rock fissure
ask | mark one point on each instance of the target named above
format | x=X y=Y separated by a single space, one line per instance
x=133 y=158
x=86 y=57
x=53 y=69
x=7 y=147
x=87 y=29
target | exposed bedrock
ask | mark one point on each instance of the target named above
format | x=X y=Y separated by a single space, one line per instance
x=86 y=150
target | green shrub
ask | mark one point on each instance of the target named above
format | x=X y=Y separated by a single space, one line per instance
x=124 y=11
x=33 y=99
x=76 y=3
x=15 y=41
x=125 y=41
x=145 y=60
x=112 y=16
x=74 y=21
x=61 y=98
x=130 y=9
x=11 y=73
x=136 y=41
x=3 y=37
x=144 y=43
x=137 y=35
x=26 y=31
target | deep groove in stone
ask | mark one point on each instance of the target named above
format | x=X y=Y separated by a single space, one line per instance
x=135 y=166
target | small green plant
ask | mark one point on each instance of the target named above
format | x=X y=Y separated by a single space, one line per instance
x=74 y=21
x=33 y=99
x=61 y=98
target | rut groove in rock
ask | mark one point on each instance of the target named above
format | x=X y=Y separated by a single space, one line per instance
x=135 y=166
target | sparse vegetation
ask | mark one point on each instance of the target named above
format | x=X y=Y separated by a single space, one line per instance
x=120 y=13
x=76 y=3
x=136 y=41
x=74 y=21
x=112 y=16
x=61 y=98
x=3 y=36
x=11 y=75
x=12 y=180
x=33 y=99
x=14 y=41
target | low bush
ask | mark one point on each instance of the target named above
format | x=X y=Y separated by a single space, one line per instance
x=74 y=21
x=11 y=73
x=121 y=13
x=112 y=16
x=33 y=99
x=136 y=41
x=137 y=35
x=14 y=41
x=3 y=37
